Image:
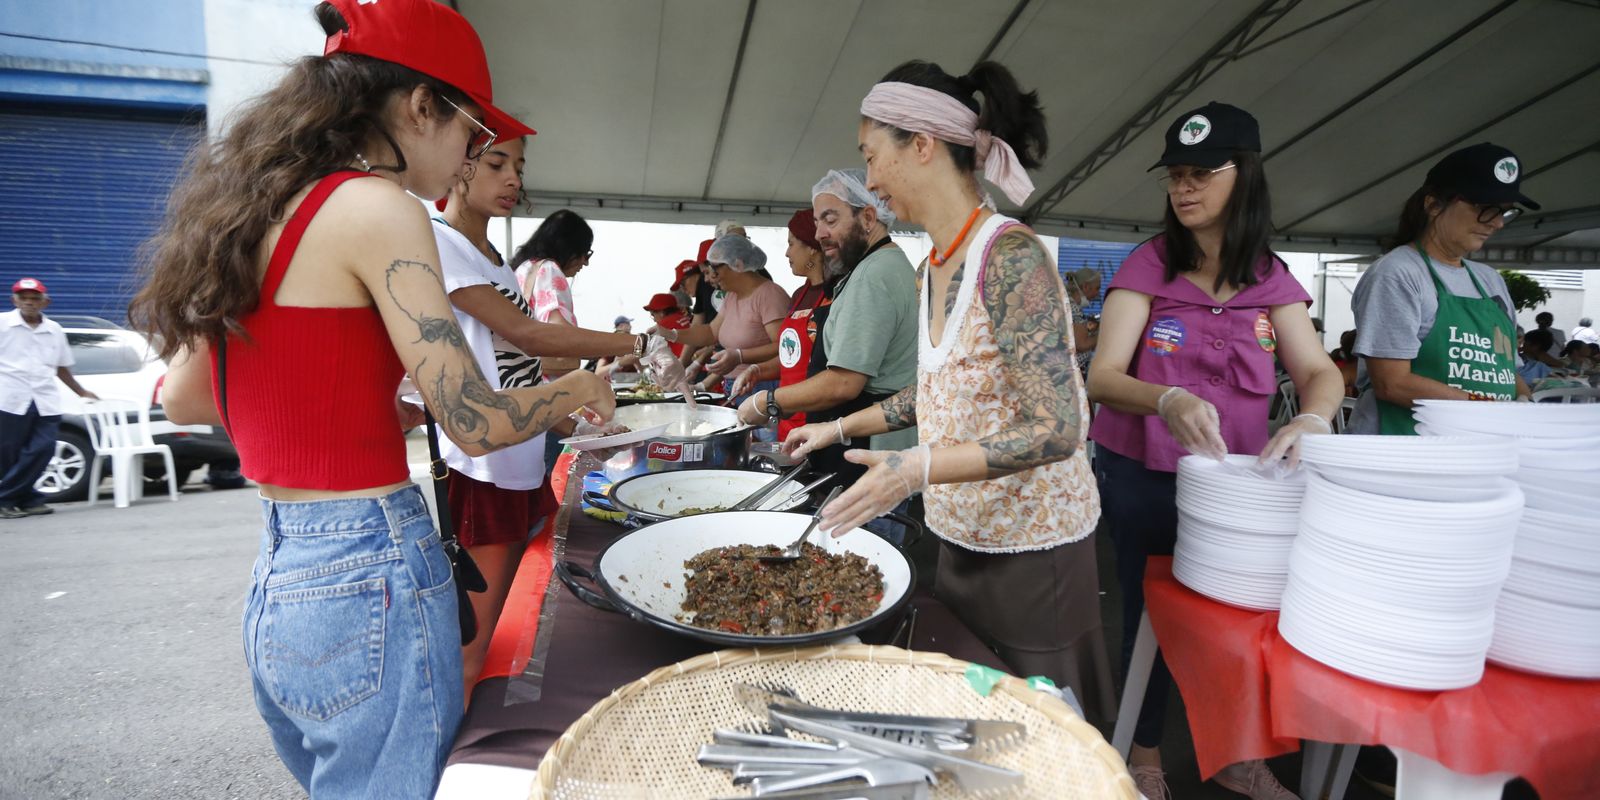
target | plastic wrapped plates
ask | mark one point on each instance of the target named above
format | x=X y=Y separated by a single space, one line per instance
x=1236 y=523
x=1395 y=589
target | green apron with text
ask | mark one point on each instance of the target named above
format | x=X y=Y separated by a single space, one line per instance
x=1471 y=347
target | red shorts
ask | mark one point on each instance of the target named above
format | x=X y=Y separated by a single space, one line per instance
x=487 y=514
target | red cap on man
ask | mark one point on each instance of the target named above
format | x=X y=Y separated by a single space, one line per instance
x=29 y=285
x=661 y=302
x=705 y=247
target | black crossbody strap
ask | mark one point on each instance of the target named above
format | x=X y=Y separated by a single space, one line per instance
x=439 y=472
x=222 y=380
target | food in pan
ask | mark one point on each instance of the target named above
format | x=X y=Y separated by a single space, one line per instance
x=692 y=510
x=731 y=589
x=643 y=390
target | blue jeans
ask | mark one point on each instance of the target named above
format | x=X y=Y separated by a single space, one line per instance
x=27 y=443
x=353 y=644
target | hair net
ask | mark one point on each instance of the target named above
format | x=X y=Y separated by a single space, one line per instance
x=850 y=185
x=737 y=252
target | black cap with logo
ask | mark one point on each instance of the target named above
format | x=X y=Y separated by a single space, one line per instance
x=1485 y=173
x=1209 y=135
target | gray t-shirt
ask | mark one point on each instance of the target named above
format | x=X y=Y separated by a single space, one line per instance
x=872 y=329
x=1395 y=304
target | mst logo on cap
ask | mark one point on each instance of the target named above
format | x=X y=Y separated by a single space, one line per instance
x=29 y=285
x=1506 y=169
x=1195 y=130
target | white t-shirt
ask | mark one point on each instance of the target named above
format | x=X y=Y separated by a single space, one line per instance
x=520 y=466
x=29 y=357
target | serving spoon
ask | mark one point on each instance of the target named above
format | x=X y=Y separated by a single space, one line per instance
x=792 y=552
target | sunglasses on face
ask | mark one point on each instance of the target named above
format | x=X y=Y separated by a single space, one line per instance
x=482 y=138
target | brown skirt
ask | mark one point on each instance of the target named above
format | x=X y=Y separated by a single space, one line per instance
x=1039 y=611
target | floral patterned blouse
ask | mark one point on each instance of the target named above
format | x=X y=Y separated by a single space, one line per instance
x=547 y=290
x=964 y=394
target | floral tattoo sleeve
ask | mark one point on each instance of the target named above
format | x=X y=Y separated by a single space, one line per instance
x=1032 y=329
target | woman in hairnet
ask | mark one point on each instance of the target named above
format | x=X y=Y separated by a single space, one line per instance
x=747 y=327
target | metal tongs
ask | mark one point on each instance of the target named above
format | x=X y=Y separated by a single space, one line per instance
x=938 y=733
x=766 y=491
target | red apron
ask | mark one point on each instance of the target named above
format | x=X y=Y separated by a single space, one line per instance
x=795 y=340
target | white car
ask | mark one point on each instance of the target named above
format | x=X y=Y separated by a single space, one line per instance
x=117 y=363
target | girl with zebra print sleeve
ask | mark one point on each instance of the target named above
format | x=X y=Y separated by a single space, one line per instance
x=499 y=500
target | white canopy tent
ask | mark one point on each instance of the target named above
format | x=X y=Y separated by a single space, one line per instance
x=693 y=111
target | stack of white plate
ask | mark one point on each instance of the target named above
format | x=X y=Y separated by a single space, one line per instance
x=1547 y=619
x=1236 y=524
x=1404 y=544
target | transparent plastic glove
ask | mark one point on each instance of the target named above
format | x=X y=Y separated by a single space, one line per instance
x=1193 y=422
x=807 y=439
x=742 y=384
x=664 y=367
x=753 y=411
x=587 y=428
x=726 y=361
x=891 y=477
x=1285 y=443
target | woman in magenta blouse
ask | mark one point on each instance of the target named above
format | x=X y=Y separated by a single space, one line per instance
x=1193 y=324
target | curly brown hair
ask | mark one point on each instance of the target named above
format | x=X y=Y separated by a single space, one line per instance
x=200 y=270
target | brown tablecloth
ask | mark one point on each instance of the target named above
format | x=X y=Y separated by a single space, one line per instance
x=592 y=652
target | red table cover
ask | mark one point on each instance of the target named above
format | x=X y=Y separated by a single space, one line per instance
x=512 y=643
x=1249 y=694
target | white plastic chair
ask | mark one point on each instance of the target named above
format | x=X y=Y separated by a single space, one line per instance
x=126 y=444
x=1569 y=394
x=1347 y=408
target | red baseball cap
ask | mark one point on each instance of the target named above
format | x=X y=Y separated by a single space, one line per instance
x=682 y=271
x=430 y=38
x=705 y=247
x=661 y=302
x=29 y=285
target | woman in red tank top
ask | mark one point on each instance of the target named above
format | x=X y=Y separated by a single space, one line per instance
x=293 y=283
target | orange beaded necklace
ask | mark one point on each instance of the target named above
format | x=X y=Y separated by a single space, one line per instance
x=939 y=260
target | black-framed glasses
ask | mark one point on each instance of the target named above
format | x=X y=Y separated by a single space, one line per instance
x=482 y=138
x=1487 y=214
x=1198 y=177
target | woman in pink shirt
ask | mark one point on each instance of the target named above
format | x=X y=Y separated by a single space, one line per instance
x=1193 y=322
x=752 y=314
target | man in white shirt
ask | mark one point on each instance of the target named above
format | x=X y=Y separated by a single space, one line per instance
x=33 y=353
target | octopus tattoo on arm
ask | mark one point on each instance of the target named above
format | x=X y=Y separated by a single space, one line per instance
x=1032 y=330
x=469 y=407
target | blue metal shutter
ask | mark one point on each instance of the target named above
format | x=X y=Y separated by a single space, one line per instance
x=82 y=190
x=1103 y=257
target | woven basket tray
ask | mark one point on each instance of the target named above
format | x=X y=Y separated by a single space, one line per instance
x=641 y=741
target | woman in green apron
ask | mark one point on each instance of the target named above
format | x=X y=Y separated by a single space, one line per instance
x=1431 y=324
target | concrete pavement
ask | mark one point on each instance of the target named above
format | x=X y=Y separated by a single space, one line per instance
x=123 y=671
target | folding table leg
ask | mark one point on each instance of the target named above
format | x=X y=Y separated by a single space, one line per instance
x=1342 y=767
x=1139 y=668
x=1421 y=778
x=1325 y=769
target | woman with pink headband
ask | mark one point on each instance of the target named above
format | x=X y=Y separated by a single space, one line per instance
x=998 y=402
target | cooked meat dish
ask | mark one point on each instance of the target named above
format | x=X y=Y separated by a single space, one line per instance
x=732 y=589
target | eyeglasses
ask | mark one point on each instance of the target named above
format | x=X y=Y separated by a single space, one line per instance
x=588 y=254
x=482 y=138
x=1198 y=177
x=1487 y=214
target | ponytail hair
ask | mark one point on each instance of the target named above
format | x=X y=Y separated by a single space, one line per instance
x=1007 y=112
x=1415 y=217
x=200 y=267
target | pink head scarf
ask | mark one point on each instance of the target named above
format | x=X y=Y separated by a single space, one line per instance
x=921 y=110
